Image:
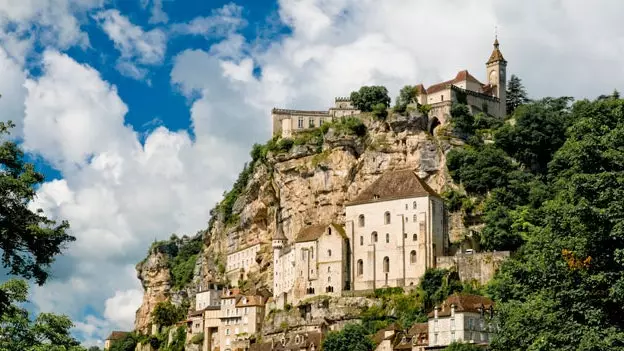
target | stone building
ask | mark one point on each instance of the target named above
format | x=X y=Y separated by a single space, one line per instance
x=239 y=262
x=465 y=88
x=241 y=318
x=462 y=318
x=396 y=229
x=286 y=122
x=316 y=264
x=114 y=336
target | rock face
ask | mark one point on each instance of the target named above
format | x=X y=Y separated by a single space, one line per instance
x=156 y=279
x=307 y=187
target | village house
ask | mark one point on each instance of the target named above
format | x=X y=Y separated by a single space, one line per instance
x=241 y=317
x=239 y=262
x=461 y=318
x=397 y=228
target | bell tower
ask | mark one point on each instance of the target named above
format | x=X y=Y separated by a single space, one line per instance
x=496 y=68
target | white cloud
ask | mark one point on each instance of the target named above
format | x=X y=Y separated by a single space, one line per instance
x=119 y=194
x=137 y=47
x=121 y=308
x=12 y=91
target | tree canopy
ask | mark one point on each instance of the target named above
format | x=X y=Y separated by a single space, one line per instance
x=368 y=97
x=352 y=338
x=516 y=94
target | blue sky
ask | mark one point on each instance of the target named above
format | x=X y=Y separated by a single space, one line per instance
x=142 y=112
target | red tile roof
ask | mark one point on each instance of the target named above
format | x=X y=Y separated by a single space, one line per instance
x=463 y=303
x=250 y=301
x=393 y=185
x=460 y=77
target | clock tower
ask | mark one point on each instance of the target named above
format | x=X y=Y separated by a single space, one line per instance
x=497 y=76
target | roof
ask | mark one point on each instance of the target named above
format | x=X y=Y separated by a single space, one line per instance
x=393 y=185
x=265 y=346
x=380 y=335
x=117 y=335
x=304 y=340
x=496 y=55
x=251 y=301
x=463 y=303
x=460 y=77
x=281 y=111
x=230 y=294
x=313 y=232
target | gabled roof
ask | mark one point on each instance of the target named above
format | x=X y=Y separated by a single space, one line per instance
x=230 y=293
x=250 y=301
x=393 y=185
x=313 y=232
x=496 y=55
x=460 y=77
x=117 y=335
x=463 y=303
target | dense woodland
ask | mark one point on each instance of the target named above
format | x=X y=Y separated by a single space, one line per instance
x=547 y=182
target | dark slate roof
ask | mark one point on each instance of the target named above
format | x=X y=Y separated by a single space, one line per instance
x=313 y=232
x=393 y=185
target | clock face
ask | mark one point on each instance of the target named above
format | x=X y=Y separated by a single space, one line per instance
x=492 y=76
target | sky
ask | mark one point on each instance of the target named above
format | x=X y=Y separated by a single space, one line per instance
x=141 y=113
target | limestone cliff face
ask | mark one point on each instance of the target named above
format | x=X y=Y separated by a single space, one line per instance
x=307 y=187
x=156 y=279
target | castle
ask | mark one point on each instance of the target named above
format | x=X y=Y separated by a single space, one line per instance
x=464 y=88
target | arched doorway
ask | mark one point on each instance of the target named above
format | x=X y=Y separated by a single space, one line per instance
x=433 y=124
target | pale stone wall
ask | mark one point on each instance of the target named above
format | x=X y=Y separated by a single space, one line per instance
x=439 y=96
x=284 y=272
x=395 y=241
x=240 y=262
x=331 y=261
x=478 y=267
x=238 y=324
x=197 y=324
x=462 y=327
x=441 y=111
x=489 y=106
x=207 y=298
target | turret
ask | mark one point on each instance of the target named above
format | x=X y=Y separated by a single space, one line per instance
x=497 y=77
x=279 y=239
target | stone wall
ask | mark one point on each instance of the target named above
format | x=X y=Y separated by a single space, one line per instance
x=478 y=267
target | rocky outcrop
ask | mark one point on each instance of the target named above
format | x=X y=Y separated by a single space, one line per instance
x=154 y=274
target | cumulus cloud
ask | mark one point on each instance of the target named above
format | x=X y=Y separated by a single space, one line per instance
x=136 y=46
x=120 y=194
x=12 y=91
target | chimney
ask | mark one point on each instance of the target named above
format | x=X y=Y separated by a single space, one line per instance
x=452 y=310
x=435 y=312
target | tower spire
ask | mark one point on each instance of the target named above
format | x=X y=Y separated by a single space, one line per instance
x=497 y=55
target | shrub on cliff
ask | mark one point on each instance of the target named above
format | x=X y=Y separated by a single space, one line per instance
x=368 y=96
x=165 y=314
x=406 y=96
x=352 y=338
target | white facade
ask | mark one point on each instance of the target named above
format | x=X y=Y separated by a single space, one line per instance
x=207 y=298
x=239 y=263
x=287 y=122
x=394 y=242
x=241 y=317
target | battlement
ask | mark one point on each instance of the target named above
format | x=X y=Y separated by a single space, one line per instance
x=281 y=111
x=343 y=99
x=474 y=93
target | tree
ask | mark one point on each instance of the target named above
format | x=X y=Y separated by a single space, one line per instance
x=538 y=132
x=567 y=281
x=165 y=314
x=380 y=111
x=368 y=96
x=127 y=343
x=516 y=94
x=437 y=285
x=406 y=96
x=479 y=169
x=352 y=338
x=460 y=346
x=94 y=348
x=18 y=333
x=29 y=240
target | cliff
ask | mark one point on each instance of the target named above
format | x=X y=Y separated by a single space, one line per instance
x=307 y=181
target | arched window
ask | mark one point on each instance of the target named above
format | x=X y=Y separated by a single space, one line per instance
x=329 y=269
x=413 y=256
x=414 y=237
x=361 y=240
x=387 y=238
x=386 y=264
x=329 y=231
x=414 y=219
x=374 y=237
x=329 y=279
x=329 y=253
x=360 y=267
x=361 y=220
x=387 y=218
x=414 y=205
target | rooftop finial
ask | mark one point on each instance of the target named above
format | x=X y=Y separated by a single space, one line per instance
x=496 y=37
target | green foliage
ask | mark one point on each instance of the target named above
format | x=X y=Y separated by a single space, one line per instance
x=352 y=338
x=178 y=340
x=380 y=111
x=460 y=346
x=453 y=200
x=438 y=284
x=197 y=339
x=19 y=333
x=368 y=97
x=538 y=132
x=479 y=169
x=347 y=126
x=467 y=125
x=29 y=240
x=566 y=282
x=406 y=96
x=424 y=109
x=127 y=343
x=165 y=313
x=516 y=94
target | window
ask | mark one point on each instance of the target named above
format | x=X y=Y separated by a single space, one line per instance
x=413 y=256
x=329 y=279
x=387 y=218
x=300 y=123
x=414 y=237
x=311 y=123
x=329 y=231
x=414 y=219
x=387 y=238
x=329 y=269
x=361 y=220
x=414 y=207
x=374 y=237
x=360 y=267
x=227 y=332
x=404 y=235
x=329 y=253
x=442 y=98
x=361 y=240
x=312 y=252
x=303 y=254
x=321 y=122
x=406 y=206
x=386 y=264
